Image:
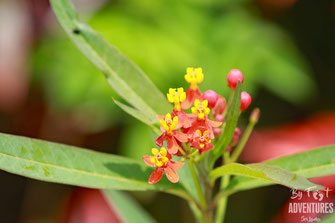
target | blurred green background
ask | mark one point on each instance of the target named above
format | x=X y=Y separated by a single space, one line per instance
x=285 y=50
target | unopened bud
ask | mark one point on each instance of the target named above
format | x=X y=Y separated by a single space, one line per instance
x=236 y=137
x=211 y=96
x=217 y=132
x=220 y=105
x=245 y=100
x=219 y=118
x=233 y=77
x=254 y=117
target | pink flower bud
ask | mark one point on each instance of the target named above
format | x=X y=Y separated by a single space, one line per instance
x=219 y=118
x=211 y=96
x=217 y=132
x=255 y=115
x=219 y=106
x=233 y=77
x=236 y=137
x=245 y=100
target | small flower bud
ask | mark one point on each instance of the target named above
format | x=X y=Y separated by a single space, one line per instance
x=219 y=118
x=211 y=96
x=245 y=100
x=236 y=137
x=219 y=106
x=217 y=132
x=233 y=77
x=255 y=115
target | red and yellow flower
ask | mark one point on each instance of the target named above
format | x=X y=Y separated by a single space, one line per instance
x=202 y=122
x=193 y=76
x=163 y=163
x=201 y=141
x=173 y=137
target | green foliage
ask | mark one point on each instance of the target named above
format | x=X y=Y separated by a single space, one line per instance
x=125 y=77
x=150 y=121
x=127 y=208
x=59 y=163
x=309 y=164
x=265 y=172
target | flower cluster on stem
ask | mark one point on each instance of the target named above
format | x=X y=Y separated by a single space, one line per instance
x=190 y=131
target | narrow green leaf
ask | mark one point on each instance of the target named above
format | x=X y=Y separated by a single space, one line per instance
x=59 y=163
x=138 y=115
x=124 y=76
x=231 y=124
x=272 y=174
x=127 y=208
x=313 y=163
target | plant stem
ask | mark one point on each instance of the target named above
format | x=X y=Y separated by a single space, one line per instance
x=201 y=196
x=197 y=185
x=194 y=153
x=218 y=197
x=222 y=202
x=181 y=151
x=242 y=142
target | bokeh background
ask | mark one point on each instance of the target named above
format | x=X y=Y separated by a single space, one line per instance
x=49 y=90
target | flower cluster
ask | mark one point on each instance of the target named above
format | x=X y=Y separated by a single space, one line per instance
x=187 y=134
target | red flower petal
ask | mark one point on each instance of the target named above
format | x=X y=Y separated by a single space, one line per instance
x=156 y=176
x=171 y=174
x=207 y=147
x=189 y=99
x=160 y=140
x=191 y=95
x=214 y=124
x=172 y=145
x=175 y=165
x=183 y=119
x=181 y=137
x=147 y=161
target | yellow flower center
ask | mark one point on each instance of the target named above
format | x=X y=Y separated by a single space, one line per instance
x=159 y=158
x=194 y=76
x=176 y=96
x=169 y=124
x=200 y=109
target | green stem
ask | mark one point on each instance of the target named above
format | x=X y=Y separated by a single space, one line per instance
x=181 y=151
x=222 y=202
x=242 y=142
x=200 y=193
x=194 y=153
x=197 y=185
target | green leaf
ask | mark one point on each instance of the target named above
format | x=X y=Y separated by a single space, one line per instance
x=314 y=163
x=59 y=163
x=140 y=116
x=231 y=124
x=272 y=174
x=124 y=76
x=127 y=208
